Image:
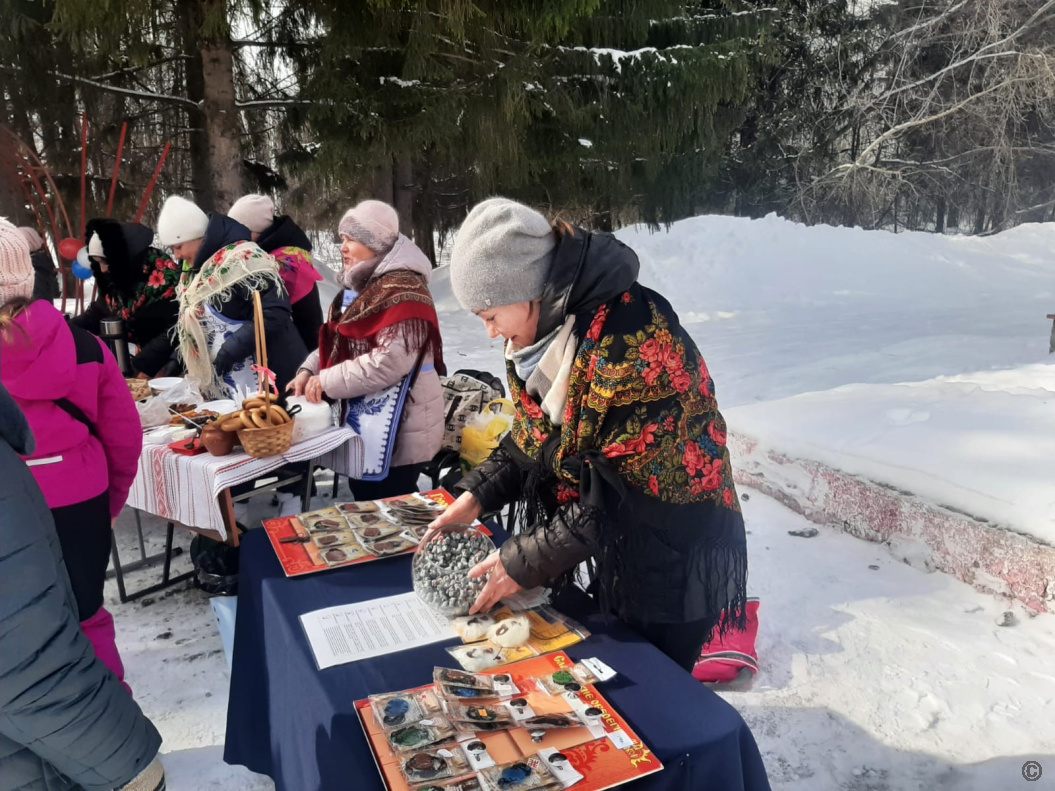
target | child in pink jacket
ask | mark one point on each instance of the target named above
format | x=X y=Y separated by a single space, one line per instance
x=87 y=430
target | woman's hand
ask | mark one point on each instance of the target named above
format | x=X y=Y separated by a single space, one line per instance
x=499 y=585
x=463 y=511
x=313 y=390
x=299 y=382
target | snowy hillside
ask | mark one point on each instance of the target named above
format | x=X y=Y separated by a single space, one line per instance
x=779 y=308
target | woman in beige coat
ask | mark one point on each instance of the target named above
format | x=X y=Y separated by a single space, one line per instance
x=382 y=328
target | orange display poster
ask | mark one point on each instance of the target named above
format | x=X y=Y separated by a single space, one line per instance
x=347 y=534
x=603 y=752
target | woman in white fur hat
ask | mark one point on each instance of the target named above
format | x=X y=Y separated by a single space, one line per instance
x=222 y=268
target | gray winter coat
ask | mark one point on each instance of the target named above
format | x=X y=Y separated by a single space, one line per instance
x=65 y=720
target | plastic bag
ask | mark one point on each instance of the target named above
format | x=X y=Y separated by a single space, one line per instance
x=215 y=566
x=312 y=420
x=153 y=412
x=485 y=431
x=186 y=392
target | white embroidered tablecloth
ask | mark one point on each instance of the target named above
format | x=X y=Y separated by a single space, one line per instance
x=184 y=488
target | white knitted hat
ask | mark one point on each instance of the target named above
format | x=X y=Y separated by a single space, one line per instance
x=95 y=247
x=181 y=221
x=255 y=212
x=372 y=223
x=16 y=270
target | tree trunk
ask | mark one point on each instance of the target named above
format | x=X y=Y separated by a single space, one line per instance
x=190 y=23
x=223 y=127
x=216 y=130
x=939 y=220
x=383 y=180
x=404 y=194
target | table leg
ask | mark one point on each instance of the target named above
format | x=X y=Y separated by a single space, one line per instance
x=167 y=581
x=336 y=485
x=309 y=479
x=226 y=503
x=118 y=571
x=168 y=552
x=139 y=532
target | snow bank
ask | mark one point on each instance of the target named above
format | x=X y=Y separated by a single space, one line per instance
x=982 y=444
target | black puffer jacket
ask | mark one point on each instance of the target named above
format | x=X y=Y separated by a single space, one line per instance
x=138 y=287
x=285 y=349
x=307 y=311
x=65 y=720
x=45 y=276
x=664 y=552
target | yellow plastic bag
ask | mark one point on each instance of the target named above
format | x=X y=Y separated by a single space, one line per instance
x=485 y=432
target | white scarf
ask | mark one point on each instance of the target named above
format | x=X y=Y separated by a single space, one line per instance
x=545 y=367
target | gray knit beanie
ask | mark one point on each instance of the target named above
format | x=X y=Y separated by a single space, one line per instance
x=501 y=256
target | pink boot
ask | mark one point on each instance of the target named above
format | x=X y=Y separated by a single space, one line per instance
x=99 y=629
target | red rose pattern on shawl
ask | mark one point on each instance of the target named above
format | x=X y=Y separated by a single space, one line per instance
x=161 y=284
x=645 y=400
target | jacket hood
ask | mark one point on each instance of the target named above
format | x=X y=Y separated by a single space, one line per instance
x=14 y=428
x=39 y=356
x=588 y=270
x=125 y=246
x=220 y=232
x=284 y=233
x=405 y=255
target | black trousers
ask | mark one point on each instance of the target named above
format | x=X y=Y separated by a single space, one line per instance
x=85 y=535
x=400 y=480
x=680 y=641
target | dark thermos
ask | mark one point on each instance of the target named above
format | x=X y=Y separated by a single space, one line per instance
x=113 y=332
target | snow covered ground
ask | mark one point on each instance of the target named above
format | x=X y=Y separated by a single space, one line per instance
x=875 y=675
x=981 y=443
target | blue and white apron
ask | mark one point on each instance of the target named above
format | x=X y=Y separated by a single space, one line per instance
x=241 y=379
x=375 y=418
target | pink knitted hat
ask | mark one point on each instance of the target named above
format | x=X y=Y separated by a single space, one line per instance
x=32 y=238
x=16 y=270
x=372 y=223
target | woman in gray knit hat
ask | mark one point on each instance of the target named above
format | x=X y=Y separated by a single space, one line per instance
x=617 y=455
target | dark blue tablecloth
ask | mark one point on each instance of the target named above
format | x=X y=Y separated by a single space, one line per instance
x=297 y=724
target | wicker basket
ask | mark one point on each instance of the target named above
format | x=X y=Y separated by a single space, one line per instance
x=263 y=442
x=260 y=443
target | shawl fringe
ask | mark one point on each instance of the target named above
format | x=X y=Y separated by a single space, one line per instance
x=622 y=526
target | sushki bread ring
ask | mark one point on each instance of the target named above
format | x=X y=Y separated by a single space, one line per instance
x=259 y=418
x=247 y=421
x=280 y=413
x=233 y=423
x=253 y=403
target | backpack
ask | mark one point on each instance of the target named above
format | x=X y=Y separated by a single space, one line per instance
x=465 y=394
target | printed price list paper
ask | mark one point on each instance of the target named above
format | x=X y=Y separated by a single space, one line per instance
x=351 y=632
